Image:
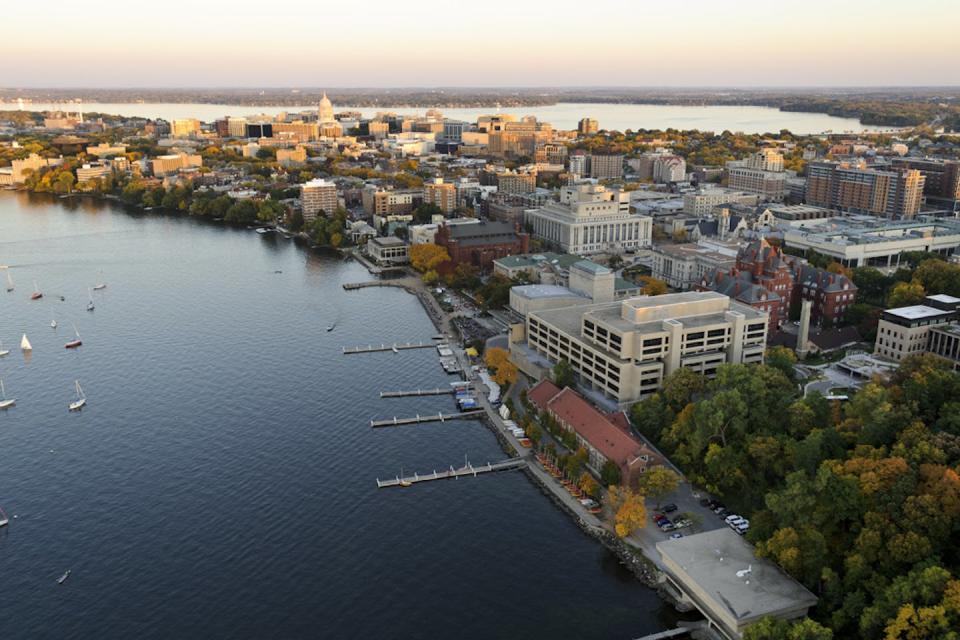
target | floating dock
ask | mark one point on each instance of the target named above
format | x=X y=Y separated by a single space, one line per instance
x=440 y=417
x=418 y=392
x=466 y=470
x=387 y=347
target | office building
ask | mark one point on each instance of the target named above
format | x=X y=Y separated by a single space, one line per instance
x=895 y=194
x=184 y=127
x=587 y=126
x=442 y=194
x=106 y=150
x=906 y=331
x=512 y=182
x=379 y=130
x=318 y=196
x=669 y=168
x=237 y=127
x=388 y=250
x=683 y=266
x=941 y=178
x=92 y=171
x=33 y=163
x=702 y=201
x=762 y=173
x=378 y=201
x=625 y=349
x=605 y=166
x=591 y=219
x=453 y=130
x=170 y=164
x=578 y=164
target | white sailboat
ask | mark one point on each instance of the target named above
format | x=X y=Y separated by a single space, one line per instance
x=9 y=281
x=53 y=321
x=3 y=351
x=100 y=283
x=5 y=403
x=25 y=344
x=4 y=520
x=81 y=400
x=90 y=304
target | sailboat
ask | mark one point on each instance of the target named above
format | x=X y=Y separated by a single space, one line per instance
x=4 y=520
x=64 y=577
x=36 y=295
x=100 y=284
x=25 y=344
x=53 y=321
x=90 y=304
x=81 y=400
x=4 y=402
x=76 y=342
x=3 y=351
x=9 y=281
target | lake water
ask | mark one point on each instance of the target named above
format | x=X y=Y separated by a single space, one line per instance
x=747 y=119
x=221 y=481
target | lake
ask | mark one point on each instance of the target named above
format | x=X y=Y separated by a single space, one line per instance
x=221 y=481
x=747 y=119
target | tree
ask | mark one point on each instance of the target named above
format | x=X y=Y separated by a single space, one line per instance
x=296 y=221
x=905 y=294
x=427 y=257
x=775 y=629
x=615 y=262
x=630 y=513
x=498 y=360
x=783 y=360
x=610 y=474
x=658 y=482
x=937 y=276
x=563 y=375
x=425 y=211
x=588 y=485
x=652 y=286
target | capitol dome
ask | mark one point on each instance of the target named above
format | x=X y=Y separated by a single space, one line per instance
x=325 y=109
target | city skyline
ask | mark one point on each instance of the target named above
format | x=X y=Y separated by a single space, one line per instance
x=688 y=44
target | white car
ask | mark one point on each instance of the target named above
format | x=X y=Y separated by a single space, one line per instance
x=733 y=519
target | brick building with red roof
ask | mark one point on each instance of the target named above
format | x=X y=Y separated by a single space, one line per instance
x=605 y=437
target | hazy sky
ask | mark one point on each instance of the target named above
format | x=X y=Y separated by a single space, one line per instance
x=346 y=43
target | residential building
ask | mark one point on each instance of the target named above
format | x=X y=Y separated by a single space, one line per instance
x=482 y=243
x=384 y=202
x=605 y=437
x=317 y=196
x=702 y=201
x=870 y=242
x=578 y=164
x=625 y=349
x=605 y=166
x=184 y=127
x=442 y=194
x=587 y=126
x=762 y=173
x=895 y=194
x=683 y=266
x=513 y=182
x=379 y=130
x=941 y=178
x=905 y=331
x=590 y=219
x=388 y=250
x=717 y=573
x=170 y=164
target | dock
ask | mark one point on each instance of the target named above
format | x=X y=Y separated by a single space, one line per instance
x=418 y=392
x=387 y=347
x=669 y=633
x=440 y=417
x=464 y=471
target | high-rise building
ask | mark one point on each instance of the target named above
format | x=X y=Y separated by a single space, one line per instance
x=587 y=126
x=443 y=194
x=184 y=127
x=578 y=164
x=896 y=193
x=941 y=177
x=605 y=166
x=513 y=182
x=237 y=127
x=316 y=196
x=762 y=173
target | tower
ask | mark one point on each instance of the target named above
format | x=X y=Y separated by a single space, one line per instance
x=803 y=334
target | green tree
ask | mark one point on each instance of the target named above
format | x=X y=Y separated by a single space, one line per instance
x=905 y=294
x=564 y=375
x=610 y=474
x=658 y=482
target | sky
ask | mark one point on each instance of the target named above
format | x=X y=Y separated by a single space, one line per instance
x=497 y=43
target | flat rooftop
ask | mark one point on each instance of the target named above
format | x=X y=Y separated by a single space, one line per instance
x=944 y=298
x=541 y=291
x=711 y=561
x=917 y=312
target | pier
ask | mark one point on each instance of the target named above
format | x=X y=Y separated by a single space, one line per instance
x=440 y=417
x=387 y=347
x=466 y=470
x=669 y=633
x=417 y=392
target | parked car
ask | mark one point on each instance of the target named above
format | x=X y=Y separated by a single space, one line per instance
x=670 y=508
x=718 y=507
x=722 y=512
x=733 y=519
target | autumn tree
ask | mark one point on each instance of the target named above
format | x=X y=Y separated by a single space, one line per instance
x=905 y=294
x=658 y=482
x=630 y=513
x=652 y=286
x=498 y=360
x=427 y=257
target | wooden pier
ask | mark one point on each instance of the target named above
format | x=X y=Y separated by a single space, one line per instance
x=387 y=347
x=466 y=470
x=440 y=417
x=418 y=392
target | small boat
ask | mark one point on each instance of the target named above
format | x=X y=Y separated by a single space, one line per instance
x=81 y=400
x=36 y=295
x=330 y=327
x=25 y=344
x=53 y=322
x=4 y=520
x=4 y=402
x=63 y=578
x=395 y=350
x=101 y=284
x=262 y=230
x=3 y=351
x=76 y=342
x=9 y=281
x=90 y=304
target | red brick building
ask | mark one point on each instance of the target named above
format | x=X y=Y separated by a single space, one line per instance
x=481 y=243
x=605 y=437
x=767 y=279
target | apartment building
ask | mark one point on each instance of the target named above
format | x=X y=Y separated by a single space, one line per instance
x=941 y=178
x=590 y=219
x=906 y=331
x=316 y=196
x=512 y=182
x=440 y=193
x=762 y=173
x=184 y=127
x=625 y=349
x=587 y=126
x=385 y=202
x=605 y=166
x=895 y=194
